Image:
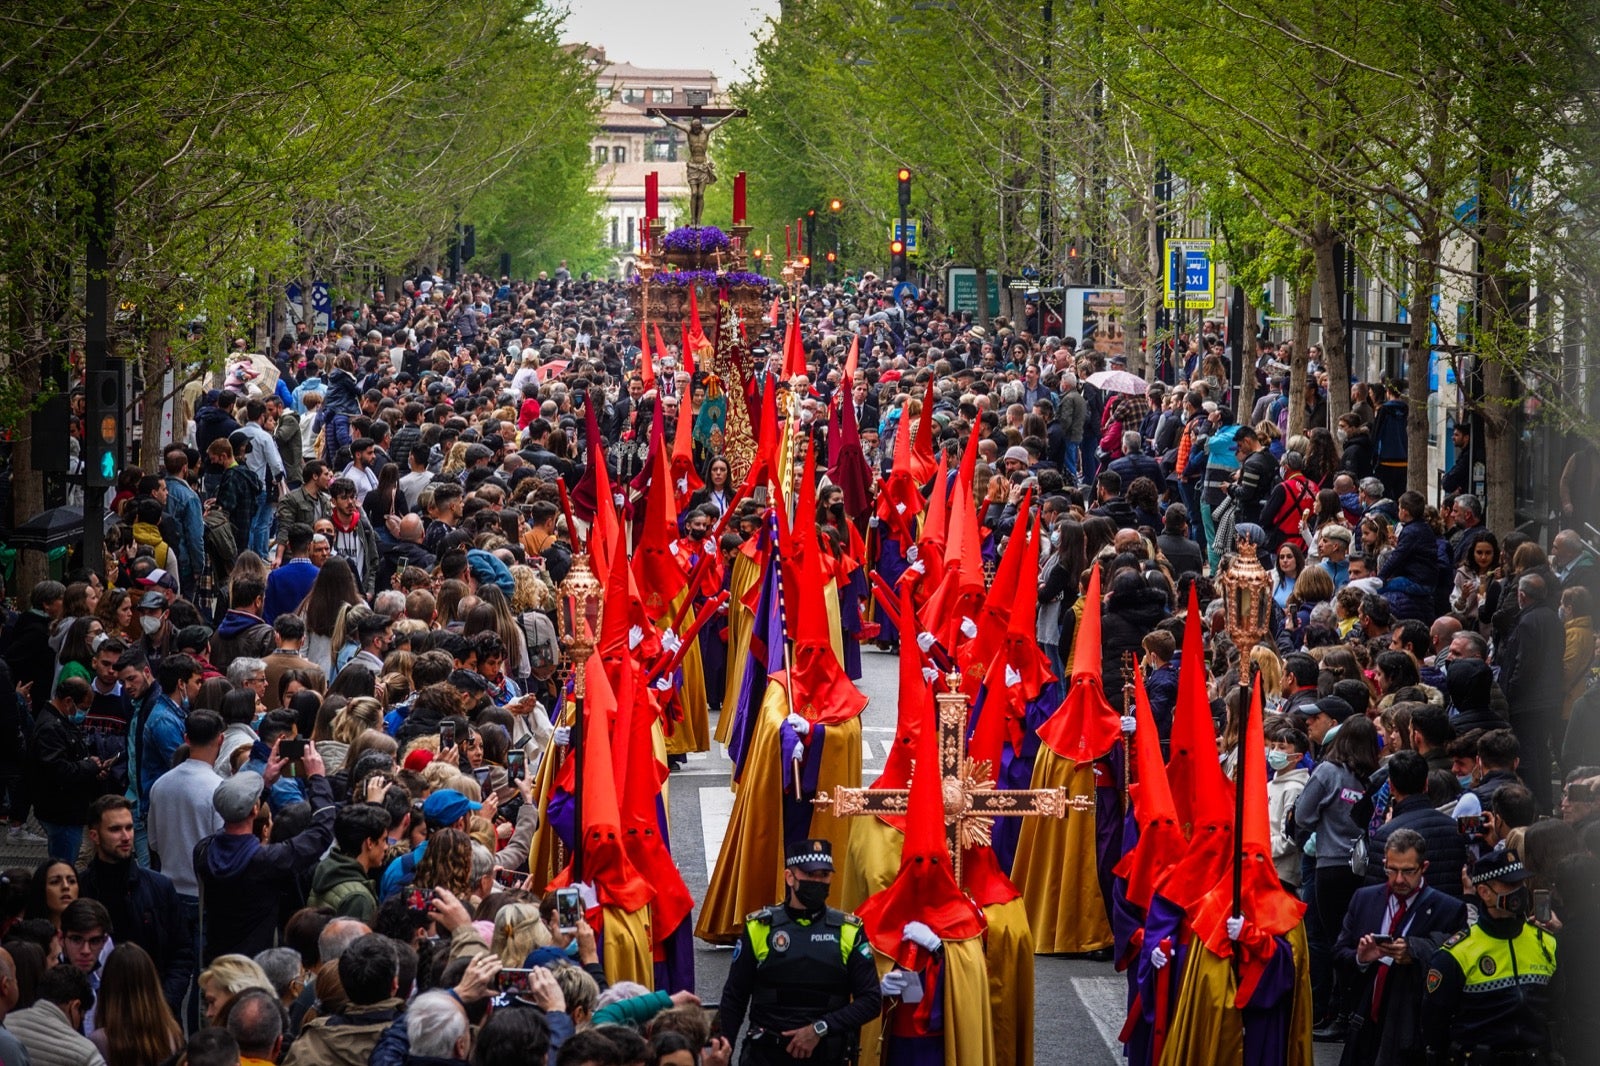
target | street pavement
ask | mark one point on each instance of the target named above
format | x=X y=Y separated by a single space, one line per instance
x=1079 y=1005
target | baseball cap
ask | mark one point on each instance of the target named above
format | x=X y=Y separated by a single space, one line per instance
x=153 y=600
x=1334 y=708
x=235 y=799
x=447 y=807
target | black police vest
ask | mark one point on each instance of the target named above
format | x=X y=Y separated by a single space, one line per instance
x=802 y=973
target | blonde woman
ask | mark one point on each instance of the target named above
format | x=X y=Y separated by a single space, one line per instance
x=456 y=461
x=224 y=979
x=518 y=930
x=1270 y=669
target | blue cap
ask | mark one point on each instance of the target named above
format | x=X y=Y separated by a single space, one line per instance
x=447 y=807
x=488 y=570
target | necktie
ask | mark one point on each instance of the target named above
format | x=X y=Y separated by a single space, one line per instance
x=1396 y=923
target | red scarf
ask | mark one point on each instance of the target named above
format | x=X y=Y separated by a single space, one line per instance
x=355 y=520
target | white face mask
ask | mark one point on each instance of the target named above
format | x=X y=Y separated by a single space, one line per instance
x=150 y=624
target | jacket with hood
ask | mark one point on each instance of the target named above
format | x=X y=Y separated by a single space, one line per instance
x=62 y=776
x=145 y=910
x=1131 y=612
x=29 y=656
x=243 y=882
x=342 y=883
x=347 y=1038
x=212 y=423
x=241 y=635
x=340 y=403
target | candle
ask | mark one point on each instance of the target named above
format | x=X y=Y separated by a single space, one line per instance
x=788 y=246
x=652 y=195
x=799 y=239
x=738 y=199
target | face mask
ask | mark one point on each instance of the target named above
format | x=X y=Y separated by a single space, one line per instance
x=572 y=948
x=78 y=717
x=1464 y=780
x=99 y=639
x=150 y=625
x=1517 y=901
x=837 y=510
x=811 y=895
x=1277 y=759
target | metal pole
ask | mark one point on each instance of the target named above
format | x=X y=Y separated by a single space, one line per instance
x=1246 y=666
x=97 y=314
x=577 y=765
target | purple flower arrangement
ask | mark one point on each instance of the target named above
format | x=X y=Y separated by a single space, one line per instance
x=702 y=239
x=708 y=278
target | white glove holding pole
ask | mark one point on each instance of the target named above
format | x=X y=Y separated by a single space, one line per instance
x=670 y=642
x=1129 y=723
x=1159 y=958
x=563 y=736
x=798 y=723
x=920 y=935
x=925 y=640
x=969 y=628
x=1235 y=927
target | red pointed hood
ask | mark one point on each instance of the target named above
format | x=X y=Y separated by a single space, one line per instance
x=1085 y=727
x=647 y=366
x=935 y=526
x=697 y=332
x=685 y=478
x=1270 y=911
x=922 y=463
x=925 y=889
x=849 y=468
x=1161 y=840
x=772 y=315
x=979 y=655
x=605 y=860
x=914 y=707
x=820 y=688
x=605 y=530
x=960 y=594
x=794 y=353
x=901 y=499
x=584 y=494
x=655 y=563
x=851 y=362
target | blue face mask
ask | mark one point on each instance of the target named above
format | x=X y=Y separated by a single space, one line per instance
x=1465 y=780
x=572 y=948
x=79 y=717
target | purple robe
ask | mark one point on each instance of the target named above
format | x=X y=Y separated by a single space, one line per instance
x=891 y=564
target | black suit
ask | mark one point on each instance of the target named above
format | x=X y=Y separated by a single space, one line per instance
x=1396 y=1037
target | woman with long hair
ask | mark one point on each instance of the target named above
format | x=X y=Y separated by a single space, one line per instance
x=1287 y=566
x=448 y=602
x=1473 y=577
x=386 y=499
x=134 y=1025
x=1377 y=539
x=719 y=487
x=116 y=615
x=447 y=863
x=508 y=628
x=1325 y=511
x=1313 y=586
x=354 y=681
x=1323 y=460
x=1058 y=590
x=54 y=885
x=77 y=648
x=332 y=592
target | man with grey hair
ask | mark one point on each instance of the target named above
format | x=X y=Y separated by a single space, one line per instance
x=1133 y=463
x=1371 y=500
x=283 y=969
x=337 y=936
x=436 y=1027
x=1072 y=411
x=1465 y=515
x=256 y=1022
x=244 y=671
x=1531 y=674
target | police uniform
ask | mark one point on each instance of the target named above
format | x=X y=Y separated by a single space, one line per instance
x=1488 y=987
x=797 y=969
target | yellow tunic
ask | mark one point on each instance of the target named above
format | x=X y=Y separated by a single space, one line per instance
x=1055 y=866
x=1008 y=952
x=741 y=624
x=693 y=733
x=628 y=955
x=1206 y=1027
x=968 y=1032
x=873 y=861
x=546 y=854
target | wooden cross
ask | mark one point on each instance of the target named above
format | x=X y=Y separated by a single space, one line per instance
x=971 y=802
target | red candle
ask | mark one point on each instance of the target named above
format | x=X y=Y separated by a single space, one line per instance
x=738 y=198
x=799 y=239
x=788 y=247
x=652 y=195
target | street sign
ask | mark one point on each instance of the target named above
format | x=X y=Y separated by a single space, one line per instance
x=908 y=233
x=1191 y=261
x=963 y=286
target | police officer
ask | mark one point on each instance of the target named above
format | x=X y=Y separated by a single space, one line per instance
x=804 y=970
x=1488 y=987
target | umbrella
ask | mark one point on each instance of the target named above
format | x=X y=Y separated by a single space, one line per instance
x=1119 y=381
x=50 y=529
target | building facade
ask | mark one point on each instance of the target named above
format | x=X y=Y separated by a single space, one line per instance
x=630 y=143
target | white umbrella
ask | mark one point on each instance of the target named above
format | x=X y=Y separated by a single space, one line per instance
x=1119 y=381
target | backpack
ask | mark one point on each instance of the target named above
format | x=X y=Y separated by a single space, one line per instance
x=221 y=547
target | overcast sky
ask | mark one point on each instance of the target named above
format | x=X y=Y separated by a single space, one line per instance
x=715 y=34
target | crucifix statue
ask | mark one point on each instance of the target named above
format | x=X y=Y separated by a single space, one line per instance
x=971 y=802
x=697 y=131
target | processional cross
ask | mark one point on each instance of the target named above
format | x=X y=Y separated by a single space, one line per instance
x=971 y=802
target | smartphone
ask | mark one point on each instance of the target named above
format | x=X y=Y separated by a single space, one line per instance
x=418 y=900
x=509 y=878
x=516 y=764
x=569 y=909
x=292 y=747
x=515 y=982
x=447 y=735
x=1382 y=938
x=1541 y=905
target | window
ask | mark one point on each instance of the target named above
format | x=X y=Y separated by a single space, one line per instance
x=664 y=148
x=613 y=232
x=661 y=96
x=601 y=154
x=619 y=154
x=630 y=232
x=632 y=96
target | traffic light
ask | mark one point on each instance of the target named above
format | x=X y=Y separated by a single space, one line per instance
x=101 y=435
x=832 y=258
x=897 y=260
x=904 y=177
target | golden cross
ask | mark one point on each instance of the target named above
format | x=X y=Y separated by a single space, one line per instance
x=971 y=803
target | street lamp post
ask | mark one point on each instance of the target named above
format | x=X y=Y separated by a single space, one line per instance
x=1247 y=609
x=581 y=604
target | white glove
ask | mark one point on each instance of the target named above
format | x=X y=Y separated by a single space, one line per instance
x=1129 y=723
x=920 y=935
x=893 y=983
x=911 y=554
x=709 y=547
x=663 y=683
x=797 y=756
x=635 y=637
x=1159 y=958
x=673 y=547
x=930 y=675
x=1012 y=677
x=899 y=508
x=925 y=640
x=683 y=485
x=587 y=895
x=670 y=642
x=919 y=567
x=563 y=736
x=1235 y=927
x=969 y=628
